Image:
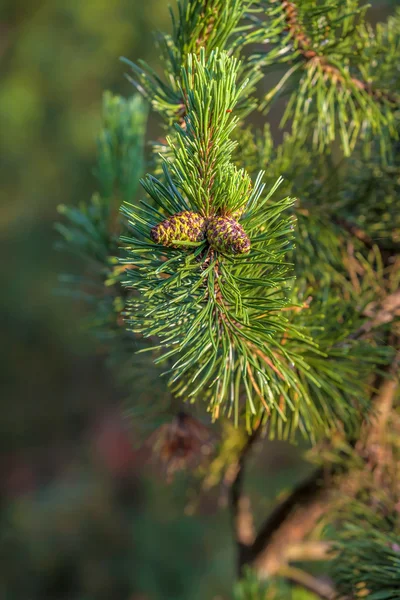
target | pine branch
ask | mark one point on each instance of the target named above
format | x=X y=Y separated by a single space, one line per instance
x=211 y=310
x=90 y=231
x=207 y=259
x=321 y=42
x=309 y=52
x=93 y=227
x=198 y=26
x=296 y=516
x=368 y=199
x=376 y=573
x=213 y=289
x=243 y=527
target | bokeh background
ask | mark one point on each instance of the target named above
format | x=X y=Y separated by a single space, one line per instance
x=82 y=516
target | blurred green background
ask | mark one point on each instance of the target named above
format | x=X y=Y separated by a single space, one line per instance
x=79 y=517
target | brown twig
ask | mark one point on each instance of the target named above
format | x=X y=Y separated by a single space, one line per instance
x=388 y=309
x=281 y=537
x=296 y=516
x=355 y=231
x=287 y=524
x=312 y=550
x=207 y=27
x=320 y=588
x=383 y=403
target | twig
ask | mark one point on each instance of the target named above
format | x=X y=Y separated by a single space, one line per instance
x=373 y=445
x=389 y=309
x=289 y=523
x=355 y=231
x=311 y=55
x=295 y=517
x=309 y=551
x=383 y=403
x=309 y=582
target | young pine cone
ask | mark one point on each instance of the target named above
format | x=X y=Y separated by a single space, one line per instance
x=226 y=235
x=185 y=226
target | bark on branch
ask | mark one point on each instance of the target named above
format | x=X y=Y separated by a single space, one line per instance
x=289 y=523
x=281 y=537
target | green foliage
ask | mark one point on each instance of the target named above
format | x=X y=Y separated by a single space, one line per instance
x=202 y=304
x=211 y=25
x=93 y=227
x=370 y=200
x=365 y=523
x=332 y=71
x=218 y=316
x=366 y=563
x=120 y=146
x=91 y=230
x=251 y=588
x=201 y=24
x=209 y=310
x=233 y=330
x=312 y=180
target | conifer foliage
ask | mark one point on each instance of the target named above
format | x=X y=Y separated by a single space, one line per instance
x=259 y=282
x=202 y=303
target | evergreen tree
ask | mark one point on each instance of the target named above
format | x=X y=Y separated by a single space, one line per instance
x=253 y=288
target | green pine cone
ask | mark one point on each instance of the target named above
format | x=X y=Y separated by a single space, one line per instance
x=226 y=235
x=185 y=226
